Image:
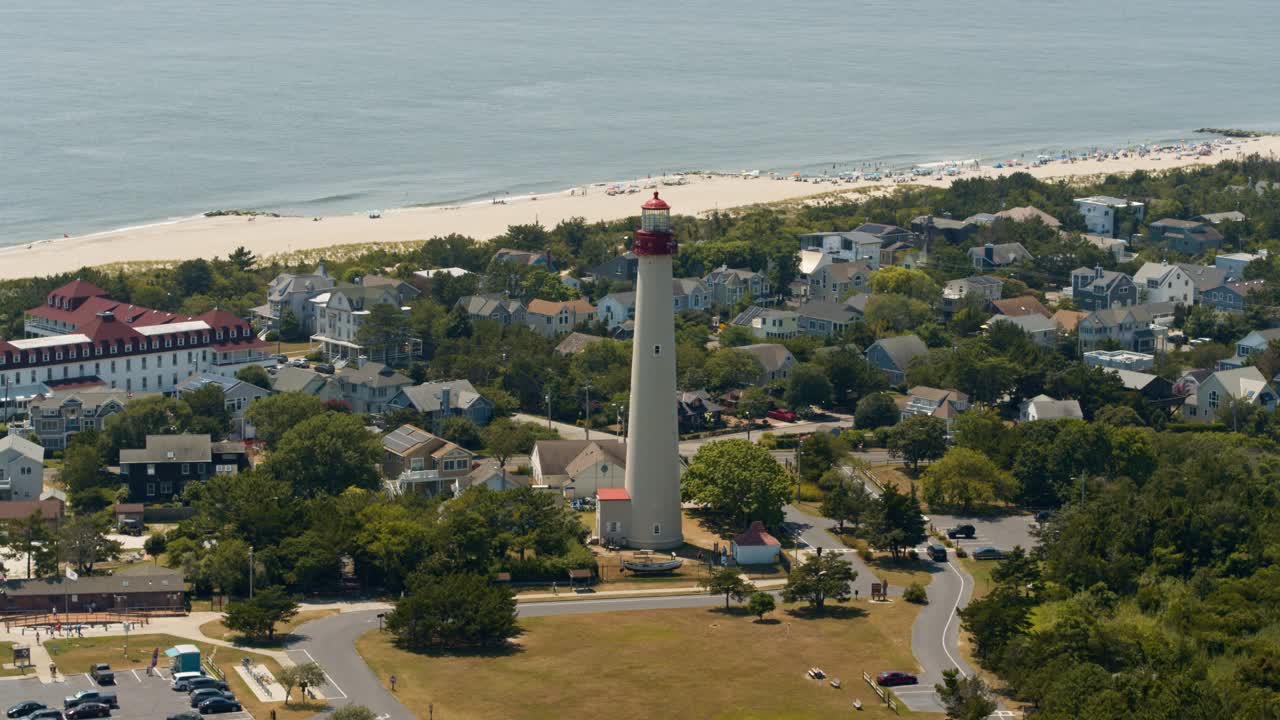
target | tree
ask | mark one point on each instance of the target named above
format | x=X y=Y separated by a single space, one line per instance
x=819 y=453
x=462 y=431
x=919 y=437
x=729 y=368
x=807 y=386
x=753 y=403
x=257 y=617
x=903 y=281
x=760 y=604
x=155 y=544
x=327 y=453
x=876 y=411
x=892 y=314
x=84 y=541
x=242 y=258
x=82 y=466
x=728 y=582
x=982 y=429
x=210 y=403
x=898 y=524
x=818 y=578
x=738 y=479
x=848 y=502
x=995 y=620
x=353 y=712
x=254 y=375
x=308 y=674
x=384 y=331
x=851 y=376
x=1018 y=570
x=964 y=477
x=504 y=438
x=455 y=610
x=290 y=328
x=275 y=415
x=965 y=697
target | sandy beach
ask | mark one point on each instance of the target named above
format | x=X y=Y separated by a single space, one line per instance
x=265 y=236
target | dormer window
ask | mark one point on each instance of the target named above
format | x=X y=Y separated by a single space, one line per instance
x=205 y=338
x=155 y=344
x=114 y=348
x=181 y=341
x=44 y=356
x=168 y=342
x=219 y=334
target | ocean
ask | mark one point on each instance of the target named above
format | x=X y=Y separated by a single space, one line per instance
x=131 y=112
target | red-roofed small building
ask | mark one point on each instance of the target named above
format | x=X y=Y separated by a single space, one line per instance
x=613 y=514
x=755 y=546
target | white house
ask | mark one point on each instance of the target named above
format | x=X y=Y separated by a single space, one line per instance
x=579 y=468
x=1043 y=407
x=21 y=469
x=769 y=323
x=1101 y=212
x=755 y=546
x=1244 y=383
x=844 y=246
x=1162 y=282
x=1254 y=342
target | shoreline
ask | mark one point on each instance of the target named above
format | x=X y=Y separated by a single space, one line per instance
x=184 y=238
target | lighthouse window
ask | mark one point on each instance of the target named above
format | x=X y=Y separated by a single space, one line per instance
x=657 y=350
x=657 y=529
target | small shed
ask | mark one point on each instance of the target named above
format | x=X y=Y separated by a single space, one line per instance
x=756 y=546
x=128 y=511
x=613 y=513
x=183 y=658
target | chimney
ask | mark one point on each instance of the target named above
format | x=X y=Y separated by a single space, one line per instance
x=107 y=316
x=1097 y=271
x=989 y=252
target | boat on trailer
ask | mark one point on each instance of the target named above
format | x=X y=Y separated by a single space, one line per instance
x=643 y=561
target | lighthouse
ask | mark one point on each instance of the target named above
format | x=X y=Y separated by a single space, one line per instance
x=653 y=471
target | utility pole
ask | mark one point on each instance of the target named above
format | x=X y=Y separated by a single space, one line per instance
x=548 y=410
x=587 y=412
x=250 y=572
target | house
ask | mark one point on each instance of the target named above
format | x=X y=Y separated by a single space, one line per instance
x=1203 y=277
x=983 y=287
x=935 y=402
x=579 y=468
x=845 y=246
x=1187 y=386
x=291 y=292
x=755 y=546
x=1186 y=236
x=836 y=281
x=898 y=253
x=1232 y=297
x=810 y=263
x=1018 y=306
x=954 y=232
x=156 y=591
x=368 y=387
x=1219 y=218
x=690 y=294
x=1027 y=213
x=1118 y=247
x=525 y=258
x=237 y=395
x=415 y=461
x=1233 y=264
x=1244 y=383
x=696 y=410
x=1255 y=342
x=992 y=256
x=1043 y=330
x=775 y=361
x=576 y=342
x=621 y=269
x=160 y=471
x=825 y=319
x=56 y=417
x=619 y=307
x=21 y=469
x=305 y=381
x=1068 y=320
x=893 y=356
x=1094 y=289
x=1143 y=328
x=439 y=401
x=52 y=509
x=1104 y=215
x=493 y=306
x=613 y=516
x=1162 y=282
x=769 y=323
x=726 y=285
x=424 y=279
x=1043 y=407
x=1152 y=388
x=342 y=311
x=1119 y=359
x=549 y=319
x=887 y=234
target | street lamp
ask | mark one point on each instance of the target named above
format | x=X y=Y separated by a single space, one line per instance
x=587 y=411
x=548 y=410
x=250 y=572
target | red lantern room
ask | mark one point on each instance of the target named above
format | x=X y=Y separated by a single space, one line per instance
x=655 y=236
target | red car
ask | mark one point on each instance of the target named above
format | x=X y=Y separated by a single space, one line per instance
x=783 y=415
x=894 y=677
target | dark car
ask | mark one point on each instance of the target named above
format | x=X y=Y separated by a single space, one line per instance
x=47 y=714
x=89 y=710
x=1043 y=516
x=988 y=553
x=962 y=531
x=200 y=683
x=218 y=705
x=24 y=709
x=90 y=696
x=325 y=368
x=893 y=678
x=199 y=696
x=937 y=553
x=102 y=674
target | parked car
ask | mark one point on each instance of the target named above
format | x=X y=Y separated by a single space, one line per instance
x=282 y=359
x=130 y=526
x=325 y=368
x=199 y=696
x=88 y=710
x=201 y=683
x=25 y=708
x=937 y=553
x=962 y=531
x=299 y=362
x=185 y=716
x=892 y=678
x=101 y=674
x=218 y=705
x=988 y=553
x=46 y=714
x=1043 y=516
x=783 y=415
x=90 y=696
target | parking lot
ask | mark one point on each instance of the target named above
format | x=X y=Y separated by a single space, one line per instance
x=1002 y=533
x=141 y=697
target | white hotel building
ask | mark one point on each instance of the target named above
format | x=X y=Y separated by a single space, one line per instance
x=82 y=338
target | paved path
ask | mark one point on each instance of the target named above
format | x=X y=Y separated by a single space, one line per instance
x=567 y=431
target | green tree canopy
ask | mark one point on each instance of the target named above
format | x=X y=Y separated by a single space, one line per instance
x=451 y=611
x=275 y=415
x=919 y=437
x=738 y=479
x=327 y=453
x=819 y=578
x=965 y=477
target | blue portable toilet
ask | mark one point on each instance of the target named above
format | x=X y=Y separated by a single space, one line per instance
x=183 y=658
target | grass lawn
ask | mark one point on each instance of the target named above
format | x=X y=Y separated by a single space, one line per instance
x=215 y=629
x=6 y=652
x=895 y=475
x=694 y=663
x=76 y=654
x=297 y=348
x=981 y=572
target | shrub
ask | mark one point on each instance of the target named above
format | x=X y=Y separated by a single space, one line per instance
x=960 y=553
x=915 y=593
x=865 y=554
x=272 y=336
x=810 y=492
x=768 y=440
x=912 y=554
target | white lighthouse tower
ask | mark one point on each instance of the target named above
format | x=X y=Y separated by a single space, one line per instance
x=653 y=470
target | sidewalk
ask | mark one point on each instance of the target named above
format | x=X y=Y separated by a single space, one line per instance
x=569 y=594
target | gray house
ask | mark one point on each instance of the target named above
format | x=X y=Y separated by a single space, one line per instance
x=621 y=269
x=893 y=355
x=292 y=292
x=825 y=319
x=21 y=469
x=492 y=306
x=1186 y=236
x=775 y=361
x=729 y=285
x=439 y=401
x=1096 y=289
x=992 y=256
